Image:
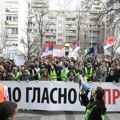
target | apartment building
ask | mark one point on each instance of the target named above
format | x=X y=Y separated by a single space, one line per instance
x=93 y=27
x=9 y=27
x=61 y=26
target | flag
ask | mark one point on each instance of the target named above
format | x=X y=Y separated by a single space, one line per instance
x=90 y=51
x=77 y=46
x=75 y=49
x=109 y=42
x=94 y=54
x=42 y=50
x=47 y=49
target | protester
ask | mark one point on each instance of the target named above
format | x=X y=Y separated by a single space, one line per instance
x=58 y=68
x=8 y=110
x=15 y=73
x=71 y=76
x=95 y=108
x=111 y=77
x=93 y=78
x=25 y=75
x=5 y=76
x=45 y=75
x=53 y=72
x=3 y=93
x=88 y=70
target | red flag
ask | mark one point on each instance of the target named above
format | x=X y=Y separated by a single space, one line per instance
x=110 y=40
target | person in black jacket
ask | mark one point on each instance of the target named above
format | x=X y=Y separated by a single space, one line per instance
x=95 y=109
x=8 y=110
x=111 y=77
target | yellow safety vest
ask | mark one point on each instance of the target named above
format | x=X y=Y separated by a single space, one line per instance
x=64 y=75
x=15 y=76
x=88 y=112
x=88 y=74
x=53 y=75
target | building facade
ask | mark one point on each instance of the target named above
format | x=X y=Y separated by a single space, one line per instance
x=12 y=23
x=63 y=27
x=58 y=26
x=9 y=27
x=93 y=29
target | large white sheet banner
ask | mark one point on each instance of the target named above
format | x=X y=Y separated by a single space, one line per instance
x=19 y=60
x=61 y=96
x=58 y=53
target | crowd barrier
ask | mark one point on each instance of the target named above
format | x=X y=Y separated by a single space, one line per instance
x=58 y=96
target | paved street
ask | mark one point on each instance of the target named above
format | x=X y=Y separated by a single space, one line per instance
x=42 y=115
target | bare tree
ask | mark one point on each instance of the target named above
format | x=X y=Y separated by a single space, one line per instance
x=39 y=15
x=28 y=42
x=111 y=10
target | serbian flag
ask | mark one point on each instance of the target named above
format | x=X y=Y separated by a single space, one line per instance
x=47 y=49
x=109 y=42
x=77 y=46
x=75 y=49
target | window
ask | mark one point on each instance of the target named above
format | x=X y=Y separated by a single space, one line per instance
x=12 y=17
x=14 y=44
x=8 y=18
x=59 y=40
x=59 y=34
x=12 y=30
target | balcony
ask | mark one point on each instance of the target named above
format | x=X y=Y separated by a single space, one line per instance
x=11 y=36
x=11 y=23
x=70 y=22
x=71 y=28
x=50 y=34
x=71 y=34
x=13 y=10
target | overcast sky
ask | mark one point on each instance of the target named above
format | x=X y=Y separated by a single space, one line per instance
x=61 y=4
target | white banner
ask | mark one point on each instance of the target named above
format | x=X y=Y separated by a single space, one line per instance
x=61 y=96
x=58 y=53
x=19 y=60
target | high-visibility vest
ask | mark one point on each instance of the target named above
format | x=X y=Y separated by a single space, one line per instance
x=53 y=75
x=85 y=79
x=33 y=73
x=20 y=73
x=16 y=75
x=88 y=112
x=39 y=76
x=76 y=74
x=64 y=75
x=88 y=74
x=1 y=93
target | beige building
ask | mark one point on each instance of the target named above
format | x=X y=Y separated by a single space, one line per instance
x=61 y=26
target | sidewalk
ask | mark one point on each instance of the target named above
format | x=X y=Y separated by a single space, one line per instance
x=43 y=115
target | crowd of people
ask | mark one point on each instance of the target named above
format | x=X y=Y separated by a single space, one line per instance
x=100 y=69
